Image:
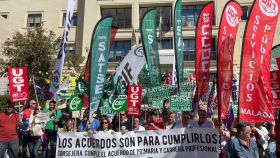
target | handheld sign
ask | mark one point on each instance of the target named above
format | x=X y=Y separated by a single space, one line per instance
x=75 y=103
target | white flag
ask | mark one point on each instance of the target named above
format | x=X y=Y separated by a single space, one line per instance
x=56 y=76
x=174 y=77
x=131 y=66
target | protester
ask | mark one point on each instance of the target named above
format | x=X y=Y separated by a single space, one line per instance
x=184 y=121
x=136 y=125
x=36 y=135
x=155 y=122
x=82 y=126
x=27 y=121
x=203 y=121
x=270 y=152
x=171 y=123
x=66 y=114
x=124 y=124
x=9 y=122
x=68 y=126
x=93 y=124
x=261 y=134
x=242 y=146
x=106 y=125
x=51 y=129
x=225 y=137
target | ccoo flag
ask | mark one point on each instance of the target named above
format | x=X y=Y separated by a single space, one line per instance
x=255 y=104
x=58 y=67
x=178 y=42
x=203 y=48
x=150 y=45
x=99 y=53
x=227 y=35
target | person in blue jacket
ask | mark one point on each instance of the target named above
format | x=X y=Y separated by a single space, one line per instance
x=242 y=146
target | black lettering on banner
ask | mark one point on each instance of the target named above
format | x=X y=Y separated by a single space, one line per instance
x=214 y=137
x=208 y=138
x=139 y=139
x=196 y=138
x=201 y=138
x=84 y=142
x=65 y=143
x=114 y=143
x=78 y=145
x=183 y=138
x=164 y=137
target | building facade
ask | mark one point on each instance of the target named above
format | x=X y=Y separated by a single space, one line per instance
x=18 y=15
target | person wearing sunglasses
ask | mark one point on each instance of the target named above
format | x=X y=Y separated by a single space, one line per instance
x=106 y=125
x=124 y=125
x=9 y=123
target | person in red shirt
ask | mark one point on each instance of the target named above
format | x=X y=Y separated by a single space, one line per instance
x=155 y=122
x=9 y=122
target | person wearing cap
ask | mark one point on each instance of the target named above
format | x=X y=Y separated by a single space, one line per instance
x=9 y=123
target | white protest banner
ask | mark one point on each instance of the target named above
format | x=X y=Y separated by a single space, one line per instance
x=131 y=66
x=42 y=117
x=181 y=142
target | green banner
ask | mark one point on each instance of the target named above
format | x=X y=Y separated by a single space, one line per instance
x=105 y=108
x=150 y=44
x=144 y=81
x=179 y=47
x=187 y=89
x=119 y=104
x=75 y=103
x=180 y=103
x=157 y=104
x=160 y=92
x=99 y=52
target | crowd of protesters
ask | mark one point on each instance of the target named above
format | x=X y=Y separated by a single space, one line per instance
x=38 y=139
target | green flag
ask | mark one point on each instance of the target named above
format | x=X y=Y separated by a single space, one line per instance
x=179 y=47
x=75 y=103
x=99 y=52
x=150 y=44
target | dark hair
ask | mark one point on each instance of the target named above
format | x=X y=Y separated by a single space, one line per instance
x=52 y=101
x=241 y=127
x=101 y=121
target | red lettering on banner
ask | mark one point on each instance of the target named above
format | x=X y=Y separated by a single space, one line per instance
x=18 y=84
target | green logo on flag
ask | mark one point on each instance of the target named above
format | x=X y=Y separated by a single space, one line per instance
x=120 y=104
x=105 y=108
x=75 y=103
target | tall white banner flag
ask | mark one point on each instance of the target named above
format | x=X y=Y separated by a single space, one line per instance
x=58 y=67
x=131 y=66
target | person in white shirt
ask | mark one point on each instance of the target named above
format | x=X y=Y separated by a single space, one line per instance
x=136 y=125
x=170 y=124
x=202 y=122
x=263 y=138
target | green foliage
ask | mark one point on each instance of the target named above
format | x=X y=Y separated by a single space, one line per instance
x=3 y=101
x=36 y=49
x=74 y=60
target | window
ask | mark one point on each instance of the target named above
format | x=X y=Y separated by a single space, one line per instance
x=34 y=20
x=119 y=50
x=163 y=17
x=189 y=50
x=121 y=16
x=70 y=49
x=246 y=11
x=4 y=16
x=74 y=19
x=165 y=44
x=190 y=15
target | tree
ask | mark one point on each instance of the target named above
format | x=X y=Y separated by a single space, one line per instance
x=36 y=49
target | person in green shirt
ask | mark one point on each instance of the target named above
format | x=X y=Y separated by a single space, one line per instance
x=51 y=129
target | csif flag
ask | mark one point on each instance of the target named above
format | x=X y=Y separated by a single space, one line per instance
x=98 y=61
x=150 y=45
x=58 y=67
x=229 y=24
x=203 y=41
x=178 y=43
x=255 y=99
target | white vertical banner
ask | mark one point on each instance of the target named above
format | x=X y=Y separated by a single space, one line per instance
x=57 y=72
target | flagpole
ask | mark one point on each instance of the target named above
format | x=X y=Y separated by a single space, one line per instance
x=119 y=121
x=35 y=91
